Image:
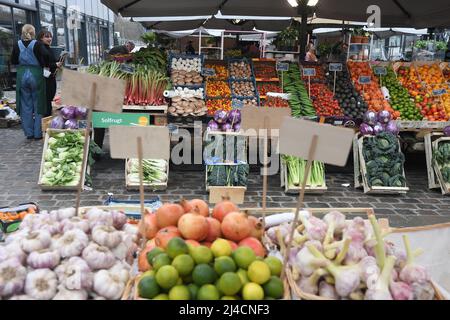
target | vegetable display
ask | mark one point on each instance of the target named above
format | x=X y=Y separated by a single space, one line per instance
x=185 y=78
x=187 y=102
x=335 y=258
x=155 y=171
x=214 y=105
x=320 y=74
x=240 y=70
x=296 y=169
x=221 y=71
x=243 y=89
x=323 y=101
x=228 y=176
x=432 y=76
x=245 y=102
x=264 y=70
x=399 y=97
x=350 y=101
x=59 y=256
x=68 y=118
x=275 y=102
x=218 y=89
x=374 y=123
x=264 y=88
x=442 y=157
x=187 y=65
x=63 y=159
x=384 y=161
x=300 y=103
x=226 y=121
x=154 y=58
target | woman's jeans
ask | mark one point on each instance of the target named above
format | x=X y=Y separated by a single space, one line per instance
x=31 y=120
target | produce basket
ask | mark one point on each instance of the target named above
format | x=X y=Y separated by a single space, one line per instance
x=296 y=190
x=155 y=186
x=445 y=186
x=49 y=133
x=247 y=61
x=186 y=57
x=433 y=179
x=270 y=65
x=255 y=91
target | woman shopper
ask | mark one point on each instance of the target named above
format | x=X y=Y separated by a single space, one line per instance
x=45 y=37
x=29 y=56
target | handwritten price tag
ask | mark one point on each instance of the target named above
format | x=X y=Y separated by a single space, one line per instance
x=309 y=72
x=380 y=71
x=365 y=80
x=335 y=67
x=281 y=66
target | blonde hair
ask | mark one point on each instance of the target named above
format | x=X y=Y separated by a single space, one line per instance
x=28 y=32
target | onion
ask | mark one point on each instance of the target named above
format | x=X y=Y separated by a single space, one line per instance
x=366 y=129
x=378 y=128
x=213 y=126
x=221 y=116
x=384 y=116
x=392 y=127
x=370 y=118
x=57 y=123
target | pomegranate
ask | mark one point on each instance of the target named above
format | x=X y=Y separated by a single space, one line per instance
x=192 y=243
x=236 y=227
x=142 y=258
x=234 y=245
x=196 y=205
x=223 y=208
x=169 y=214
x=255 y=245
x=257 y=229
x=164 y=235
x=193 y=226
x=148 y=226
x=214 y=229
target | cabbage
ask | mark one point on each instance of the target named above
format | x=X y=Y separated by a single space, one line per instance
x=213 y=126
x=234 y=116
x=366 y=129
x=384 y=116
x=392 y=127
x=68 y=112
x=221 y=116
x=447 y=131
x=71 y=124
x=81 y=113
x=57 y=123
x=370 y=118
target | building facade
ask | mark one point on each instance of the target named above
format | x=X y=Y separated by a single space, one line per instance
x=83 y=28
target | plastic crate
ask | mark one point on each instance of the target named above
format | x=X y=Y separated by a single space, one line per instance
x=248 y=61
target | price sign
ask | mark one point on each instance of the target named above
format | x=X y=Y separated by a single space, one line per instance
x=439 y=92
x=281 y=66
x=309 y=72
x=127 y=68
x=365 y=79
x=208 y=72
x=335 y=67
x=237 y=104
x=380 y=71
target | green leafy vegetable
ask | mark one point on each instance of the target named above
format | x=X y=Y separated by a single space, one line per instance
x=442 y=156
x=296 y=169
x=228 y=176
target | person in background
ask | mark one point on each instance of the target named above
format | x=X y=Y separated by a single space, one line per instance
x=45 y=37
x=190 y=48
x=253 y=50
x=31 y=101
x=311 y=54
x=127 y=48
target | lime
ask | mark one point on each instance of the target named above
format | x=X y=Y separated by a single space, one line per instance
x=153 y=253
x=167 y=277
x=275 y=265
x=274 y=288
x=259 y=272
x=204 y=274
x=208 y=292
x=162 y=296
x=184 y=264
x=161 y=260
x=176 y=247
x=244 y=256
x=179 y=293
x=193 y=290
x=202 y=254
x=221 y=248
x=224 y=264
x=252 y=291
x=243 y=276
x=230 y=283
x=148 y=287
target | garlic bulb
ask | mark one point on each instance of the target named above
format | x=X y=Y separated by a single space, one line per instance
x=119 y=219
x=34 y=221
x=43 y=259
x=41 y=284
x=12 y=277
x=22 y=297
x=75 y=223
x=106 y=236
x=62 y=214
x=122 y=271
x=108 y=285
x=78 y=275
x=98 y=257
x=53 y=227
x=99 y=217
x=18 y=235
x=36 y=240
x=72 y=243
x=132 y=230
x=61 y=271
x=13 y=250
x=64 y=294
x=125 y=249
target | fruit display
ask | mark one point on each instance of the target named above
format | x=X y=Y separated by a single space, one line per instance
x=434 y=79
x=221 y=71
x=320 y=74
x=429 y=105
x=61 y=256
x=299 y=101
x=400 y=99
x=275 y=102
x=243 y=89
x=265 y=87
x=240 y=70
x=68 y=118
x=154 y=171
x=214 y=105
x=225 y=121
x=336 y=259
x=186 y=72
x=349 y=99
x=218 y=89
x=323 y=101
x=192 y=255
x=371 y=92
x=246 y=102
x=265 y=70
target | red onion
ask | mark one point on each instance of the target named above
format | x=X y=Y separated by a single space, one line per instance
x=81 y=113
x=327 y=291
x=423 y=291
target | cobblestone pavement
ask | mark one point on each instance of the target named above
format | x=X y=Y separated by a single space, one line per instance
x=20 y=163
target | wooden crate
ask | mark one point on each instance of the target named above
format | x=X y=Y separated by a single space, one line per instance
x=147 y=186
x=45 y=124
x=296 y=190
x=429 y=138
x=445 y=186
x=48 y=134
x=365 y=182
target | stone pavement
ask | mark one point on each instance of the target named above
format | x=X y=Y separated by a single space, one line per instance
x=20 y=163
